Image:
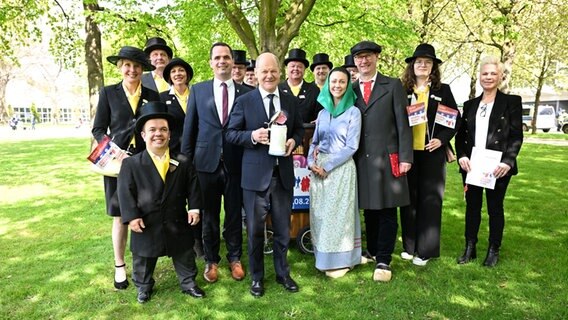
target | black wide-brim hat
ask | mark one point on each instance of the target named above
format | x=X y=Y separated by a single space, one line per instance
x=297 y=55
x=133 y=54
x=153 y=110
x=178 y=62
x=319 y=59
x=368 y=46
x=349 y=62
x=424 y=50
x=158 y=43
x=240 y=57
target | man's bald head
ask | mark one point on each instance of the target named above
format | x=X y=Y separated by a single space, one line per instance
x=268 y=71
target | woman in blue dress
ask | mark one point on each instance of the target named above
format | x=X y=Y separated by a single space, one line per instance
x=334 y=214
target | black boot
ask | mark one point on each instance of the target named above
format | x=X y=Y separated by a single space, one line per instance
x=492 y=255
x=469 y=254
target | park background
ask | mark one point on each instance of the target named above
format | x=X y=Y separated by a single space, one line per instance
x=54 y=245
x=53 y=51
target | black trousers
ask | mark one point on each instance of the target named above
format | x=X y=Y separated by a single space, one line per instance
x=143 y=270
x=474 y=202
x=421 y=221
x=278 y=202
x=213 y=187
x=381 y=228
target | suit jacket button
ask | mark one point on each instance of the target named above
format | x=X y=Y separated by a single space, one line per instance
x=466 y=142
x=496 y=142
x=498 y=130
x=367 y=155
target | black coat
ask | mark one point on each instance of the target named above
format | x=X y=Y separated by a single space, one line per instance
x=115 y=114
x=176 y=128
x=163 y=206
x=308 y=106
x=505 y=132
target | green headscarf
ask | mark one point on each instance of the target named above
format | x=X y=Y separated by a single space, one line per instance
x=326 y=99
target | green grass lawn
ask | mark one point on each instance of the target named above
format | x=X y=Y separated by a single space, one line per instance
x=56 y=256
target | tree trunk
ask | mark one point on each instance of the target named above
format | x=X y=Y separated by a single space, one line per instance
x=474 y=74
x=93 y=55
x=543 y=70
x=507 y=56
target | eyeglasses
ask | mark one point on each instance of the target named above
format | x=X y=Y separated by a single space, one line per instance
x=364 y=56
x=483 y=111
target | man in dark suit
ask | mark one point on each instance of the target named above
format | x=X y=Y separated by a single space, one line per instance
x=160 y=55
x=267 y=180
x=385 y=155
x=307 y=92
x=217 y=162
x=155 y=193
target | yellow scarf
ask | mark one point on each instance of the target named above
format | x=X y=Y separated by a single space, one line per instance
x=133 y=100
x=182 y=98
x=162 y=163
x=419 y=130
x=161 y=84
x=295 y=90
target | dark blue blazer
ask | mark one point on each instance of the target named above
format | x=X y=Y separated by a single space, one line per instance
x=115 y=114
x=203 y=138
x=248 y=115
x=505 y=132
x=176 y=128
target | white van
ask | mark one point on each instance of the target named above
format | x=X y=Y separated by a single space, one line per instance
x=545 y=120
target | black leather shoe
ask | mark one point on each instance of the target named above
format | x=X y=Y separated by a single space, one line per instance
x=144 y=296
x=195 y=292
x=288 y=283
x=469 y=253
x=257 y=289
x=492 y=256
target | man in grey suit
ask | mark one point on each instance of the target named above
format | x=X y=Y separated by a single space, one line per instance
x=218 y=163
x=384 y=156
x=160 y=55
x=267 y=180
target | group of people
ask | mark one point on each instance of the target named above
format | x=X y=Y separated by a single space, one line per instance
x=195 y=148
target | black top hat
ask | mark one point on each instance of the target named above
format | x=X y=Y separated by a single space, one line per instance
x=297 y=55
x=153 y=110
x=251 y=64
x=178 y=62
x=349 y=62
x=157 y=43
x=365 y=46
x=239 y=57
x=424 y=50
x=321 y=58
x=134 y=54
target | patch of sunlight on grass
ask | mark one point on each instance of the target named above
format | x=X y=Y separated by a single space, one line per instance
x=463 y=301
x=3 y=226
x=14 y=194
x=65 y=276
x=435 y=315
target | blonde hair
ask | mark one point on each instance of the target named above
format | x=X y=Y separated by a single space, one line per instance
x=492 y=60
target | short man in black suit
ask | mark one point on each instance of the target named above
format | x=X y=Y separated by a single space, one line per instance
x=307 y=92
x=217 y=162
x=159 y=200
x=267 y=180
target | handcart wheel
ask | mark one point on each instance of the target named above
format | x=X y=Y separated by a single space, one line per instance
x=304 y=240
x=268 y=240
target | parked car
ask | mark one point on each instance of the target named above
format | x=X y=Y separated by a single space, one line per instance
x=545 y=120
x=563 y=121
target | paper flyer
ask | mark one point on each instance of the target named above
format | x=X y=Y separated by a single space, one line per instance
x=483 y=162
x=446 y=116
x=416 y=114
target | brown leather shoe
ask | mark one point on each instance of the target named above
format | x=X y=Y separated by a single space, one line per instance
x=237 y=270
x=210 y=273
